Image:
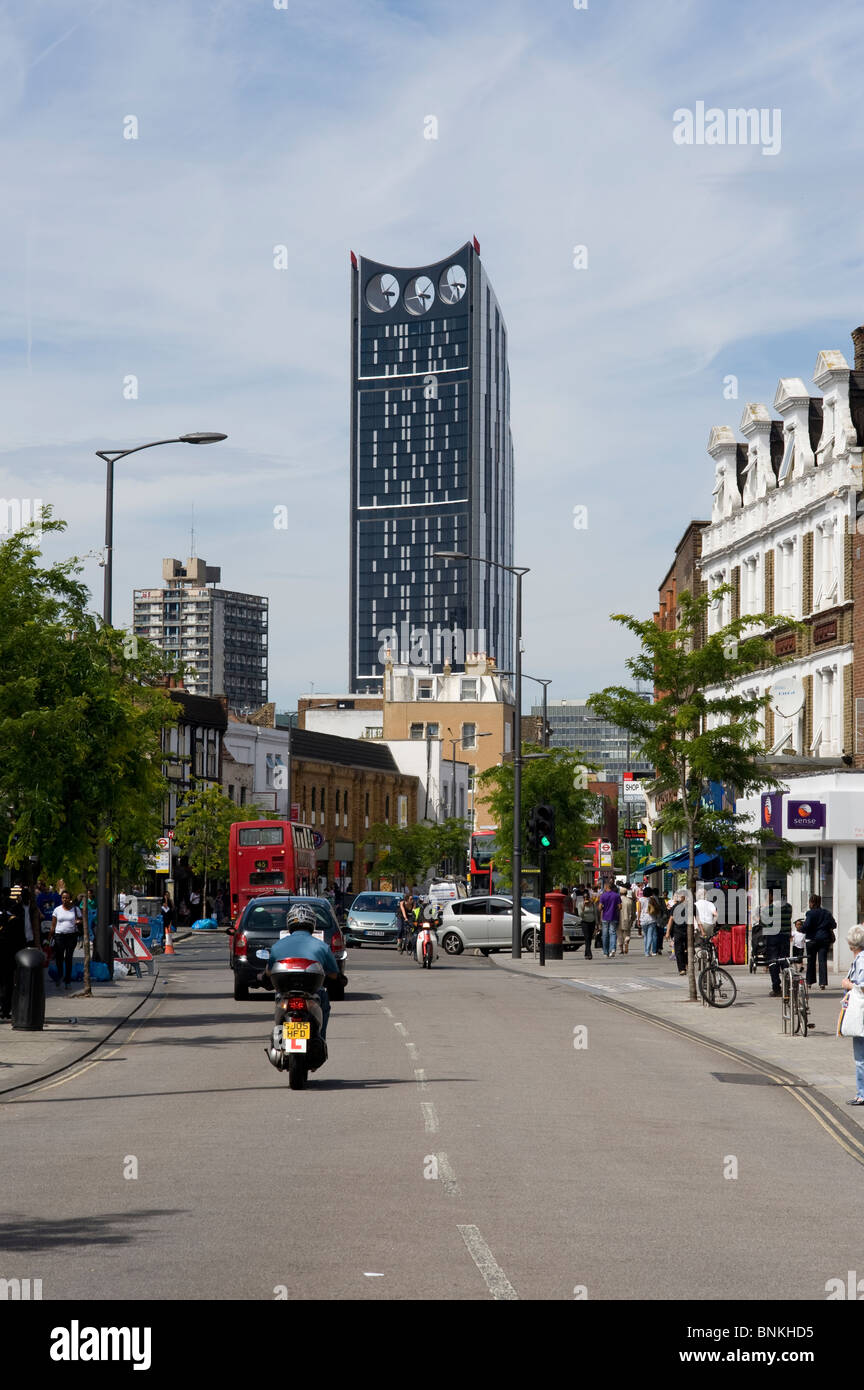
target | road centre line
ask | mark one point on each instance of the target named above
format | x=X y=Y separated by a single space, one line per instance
x=400 y=1028
x=495 y=1279
x=447 y=1176
x=430 y=1116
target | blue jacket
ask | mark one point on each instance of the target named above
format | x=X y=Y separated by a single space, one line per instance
x=304 y=944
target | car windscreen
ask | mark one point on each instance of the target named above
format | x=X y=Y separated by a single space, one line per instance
x=375 y=902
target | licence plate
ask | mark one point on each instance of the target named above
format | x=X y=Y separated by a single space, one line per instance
x=296 y=1030
x=263 y=955
x=376 y=933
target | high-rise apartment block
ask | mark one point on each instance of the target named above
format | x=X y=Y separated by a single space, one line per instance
x=431 y=468
x=218 y=636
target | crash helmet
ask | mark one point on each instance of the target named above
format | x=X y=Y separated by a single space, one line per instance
x=301 y=918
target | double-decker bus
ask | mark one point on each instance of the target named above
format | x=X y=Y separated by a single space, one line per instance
x=270 y=856
x=481 y=862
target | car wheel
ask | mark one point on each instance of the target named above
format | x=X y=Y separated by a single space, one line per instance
x=241 y=992
x=452 y=943
x=529 y=940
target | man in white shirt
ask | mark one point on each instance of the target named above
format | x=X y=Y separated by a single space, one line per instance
x=705 y=914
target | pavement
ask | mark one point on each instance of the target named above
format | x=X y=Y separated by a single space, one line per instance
x=75 y=1026
x=751 y=1027
x=474 y=1135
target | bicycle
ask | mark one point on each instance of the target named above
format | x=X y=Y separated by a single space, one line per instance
x=716 y=985
x=794 y=996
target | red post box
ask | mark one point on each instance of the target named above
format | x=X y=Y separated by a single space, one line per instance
x=554 y=928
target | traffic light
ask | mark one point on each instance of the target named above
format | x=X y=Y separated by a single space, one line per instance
x=541 y=827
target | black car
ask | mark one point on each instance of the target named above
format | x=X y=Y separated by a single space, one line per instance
x=261 y=924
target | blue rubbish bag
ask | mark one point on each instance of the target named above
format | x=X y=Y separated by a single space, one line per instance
x=98 y=971
x=205 y=924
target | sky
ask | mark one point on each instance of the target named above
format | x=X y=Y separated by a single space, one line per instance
x=139 y=298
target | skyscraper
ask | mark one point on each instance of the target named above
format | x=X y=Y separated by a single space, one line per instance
x=431 y=466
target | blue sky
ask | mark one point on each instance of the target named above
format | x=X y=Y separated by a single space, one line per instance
x=303 y=127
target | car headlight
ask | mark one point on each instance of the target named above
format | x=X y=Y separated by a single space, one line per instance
x=352 y=922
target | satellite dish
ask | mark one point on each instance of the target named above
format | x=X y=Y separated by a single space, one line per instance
x=787 y=696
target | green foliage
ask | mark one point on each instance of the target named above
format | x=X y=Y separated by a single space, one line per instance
x=81 y=718
x=202 y=830
x=554 y=778
x=409 y=853
x=702 y=727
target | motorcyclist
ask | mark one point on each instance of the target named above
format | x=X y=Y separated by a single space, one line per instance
x=403 y=912
x=303 y=945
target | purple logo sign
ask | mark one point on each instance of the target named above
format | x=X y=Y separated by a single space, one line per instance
x=805 y=815
x=772 y=812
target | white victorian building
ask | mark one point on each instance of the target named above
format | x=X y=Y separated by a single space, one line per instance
x=783 y=537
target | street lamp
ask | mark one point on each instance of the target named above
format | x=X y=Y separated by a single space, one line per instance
x=518 y=571
x=540 y=680
x=453 y=742
x=103 y=904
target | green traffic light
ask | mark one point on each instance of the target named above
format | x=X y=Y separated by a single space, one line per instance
x=544 y=840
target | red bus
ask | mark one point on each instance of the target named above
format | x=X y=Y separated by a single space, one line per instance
x=270 y=856
x=481 y=863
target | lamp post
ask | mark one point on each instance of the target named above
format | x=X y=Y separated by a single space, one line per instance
x=545 y=681
x=518 y=571
x=103 y=890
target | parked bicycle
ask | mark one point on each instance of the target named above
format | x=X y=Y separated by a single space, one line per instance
x=794 y=996
x=716 y=985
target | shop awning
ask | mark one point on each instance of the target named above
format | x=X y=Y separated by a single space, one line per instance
x=678 y=860
x=659 y=863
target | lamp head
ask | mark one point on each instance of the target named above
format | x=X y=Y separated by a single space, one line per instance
x=202 y=437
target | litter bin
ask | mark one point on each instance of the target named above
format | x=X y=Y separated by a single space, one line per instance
x=28 y=998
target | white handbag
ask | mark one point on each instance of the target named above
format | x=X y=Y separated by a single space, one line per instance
x=852 y=1021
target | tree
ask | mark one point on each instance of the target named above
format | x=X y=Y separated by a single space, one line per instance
x=410 y=853
x=81 y=720
x=558 y=778
x=203 y=829
x=701 y=728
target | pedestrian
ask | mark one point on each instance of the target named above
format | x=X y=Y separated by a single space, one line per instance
x=588 y=918
x=676 y=931
x=628 y=912
x=819 y=929
x=648 y=920
x=219 y=907
x=194 y=904
x=705 y=914
x=13 y=938
x=610 y=909
x=166 y=911
x=64 y=938
x=854 y=982
x=776 y=936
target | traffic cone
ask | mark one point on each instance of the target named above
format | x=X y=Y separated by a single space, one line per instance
x=169 y=945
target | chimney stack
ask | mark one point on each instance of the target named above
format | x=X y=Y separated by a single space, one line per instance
x=858 y=340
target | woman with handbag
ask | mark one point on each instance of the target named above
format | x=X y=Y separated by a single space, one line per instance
x=851 y=1023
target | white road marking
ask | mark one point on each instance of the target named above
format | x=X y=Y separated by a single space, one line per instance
x=388 y=1012
x=430 y=1116
x=400 y=1028
x=370 y=1274
x=447 y=1176
x=412 y=1051
x=420 y=1078
x=496 y=1280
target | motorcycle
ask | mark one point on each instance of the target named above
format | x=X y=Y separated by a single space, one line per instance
x=426 y=949
x=296 y=1045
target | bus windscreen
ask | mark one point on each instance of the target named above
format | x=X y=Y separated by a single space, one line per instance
x=261 y=835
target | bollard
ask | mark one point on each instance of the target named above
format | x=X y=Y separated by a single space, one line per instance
x=28 y=997
x=554 y=928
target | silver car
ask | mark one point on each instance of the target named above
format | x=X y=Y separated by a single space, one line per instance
x=373 y=919
x=486 y=924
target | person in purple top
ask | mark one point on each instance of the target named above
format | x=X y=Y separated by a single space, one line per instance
x=610 y=908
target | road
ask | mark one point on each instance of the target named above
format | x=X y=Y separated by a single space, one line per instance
x=457 y=1145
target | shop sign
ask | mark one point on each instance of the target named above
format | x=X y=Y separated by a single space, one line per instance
x=805 y=815
x=772 y=812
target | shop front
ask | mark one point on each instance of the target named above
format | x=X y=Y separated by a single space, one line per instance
x=822 y=816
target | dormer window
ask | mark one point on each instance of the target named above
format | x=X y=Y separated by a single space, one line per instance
x=468 y=690
x=425 y=690
x=825 y=451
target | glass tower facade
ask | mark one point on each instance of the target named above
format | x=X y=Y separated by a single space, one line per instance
x=431 y=467
x=574 y=725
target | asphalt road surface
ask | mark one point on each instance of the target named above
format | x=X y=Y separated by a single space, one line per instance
x=457 y=1145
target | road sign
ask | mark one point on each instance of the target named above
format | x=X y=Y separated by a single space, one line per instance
x=163 y=842
x=605 y=847
x=128 y=945
x=317 y=839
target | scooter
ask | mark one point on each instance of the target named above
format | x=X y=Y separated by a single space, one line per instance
x=426 y=949
x=296 y=1044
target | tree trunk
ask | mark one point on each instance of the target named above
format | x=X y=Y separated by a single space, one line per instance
x=691 y=897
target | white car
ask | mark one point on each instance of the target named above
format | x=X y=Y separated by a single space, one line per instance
x=486 y=924
x=444 y=890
